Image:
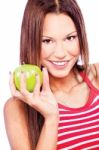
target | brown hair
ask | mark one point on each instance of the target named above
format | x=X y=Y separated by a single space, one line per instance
x=31 y=36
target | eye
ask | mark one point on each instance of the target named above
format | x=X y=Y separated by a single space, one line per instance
x=72 y=37
x=47 y=41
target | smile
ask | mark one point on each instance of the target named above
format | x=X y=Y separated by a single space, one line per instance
x=59 y=63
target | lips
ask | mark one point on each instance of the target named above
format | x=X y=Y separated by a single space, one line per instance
x=59 y=64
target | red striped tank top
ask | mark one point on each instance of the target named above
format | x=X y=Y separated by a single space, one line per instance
x=79 y=127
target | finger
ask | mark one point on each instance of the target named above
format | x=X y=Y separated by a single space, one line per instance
x=12 y=85
x=37 y=86
x=14 y=92
x=23 y=88
x=46 y=85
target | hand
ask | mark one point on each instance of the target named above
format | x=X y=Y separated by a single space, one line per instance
x=42 y=101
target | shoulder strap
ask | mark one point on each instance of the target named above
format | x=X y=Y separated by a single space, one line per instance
x=87 y=80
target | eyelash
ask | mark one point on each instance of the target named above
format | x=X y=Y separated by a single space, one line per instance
x=69 y=38
x=72 y=37
x=46 y=41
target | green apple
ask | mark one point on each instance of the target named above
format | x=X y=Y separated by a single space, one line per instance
x=30 y=72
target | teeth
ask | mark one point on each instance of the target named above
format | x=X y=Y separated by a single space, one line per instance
x=59 y=63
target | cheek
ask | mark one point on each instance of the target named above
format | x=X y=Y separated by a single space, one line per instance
x=74 y=50
x=44 y=55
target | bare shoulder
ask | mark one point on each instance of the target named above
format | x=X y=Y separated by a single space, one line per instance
x=16 y=124
x=13 y=105
x=96 y=68
x=93 y=74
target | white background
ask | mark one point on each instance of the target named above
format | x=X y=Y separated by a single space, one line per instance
x=11 y=13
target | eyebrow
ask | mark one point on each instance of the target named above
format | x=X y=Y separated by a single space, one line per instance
x=65 y=35
x=71 y=33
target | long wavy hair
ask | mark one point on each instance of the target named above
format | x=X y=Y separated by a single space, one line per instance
x=30 y=44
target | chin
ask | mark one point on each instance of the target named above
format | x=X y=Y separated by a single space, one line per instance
x=59 y=74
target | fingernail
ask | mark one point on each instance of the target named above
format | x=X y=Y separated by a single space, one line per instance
x=36 y=75
x=9 y=72
x=23 y=63
x=44 y=69
x=22 y=72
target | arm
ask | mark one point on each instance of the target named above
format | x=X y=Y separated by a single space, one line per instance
x=43 y=101
x=15 y=117
x=16 y=123
x=48 y=137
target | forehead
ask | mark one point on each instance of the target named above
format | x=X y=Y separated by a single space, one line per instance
x=55 y=23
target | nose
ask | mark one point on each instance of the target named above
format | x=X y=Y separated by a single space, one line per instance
x=60 y=51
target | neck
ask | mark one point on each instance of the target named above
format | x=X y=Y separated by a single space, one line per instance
x=65 y=84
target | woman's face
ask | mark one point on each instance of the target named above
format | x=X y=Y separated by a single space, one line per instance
x=60 y=44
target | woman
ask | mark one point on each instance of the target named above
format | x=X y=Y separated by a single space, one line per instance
x=64 y=113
